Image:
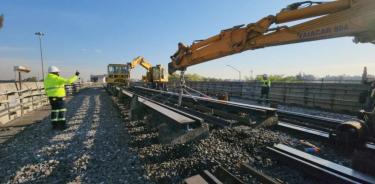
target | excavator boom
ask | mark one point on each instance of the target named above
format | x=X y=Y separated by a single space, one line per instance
x=340 y=18
x=140 y=61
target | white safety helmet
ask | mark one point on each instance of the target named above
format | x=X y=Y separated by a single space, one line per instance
x=53 y=69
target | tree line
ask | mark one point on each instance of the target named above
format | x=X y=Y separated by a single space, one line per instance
x=301 y=77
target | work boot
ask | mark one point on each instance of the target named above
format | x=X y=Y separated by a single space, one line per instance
x=54 y=125
x=61 y=125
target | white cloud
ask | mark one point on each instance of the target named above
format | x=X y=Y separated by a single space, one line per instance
x=13 y=49
x=7 y=64
x=98 y=51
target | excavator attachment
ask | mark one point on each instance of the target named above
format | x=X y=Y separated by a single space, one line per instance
x=325 y=20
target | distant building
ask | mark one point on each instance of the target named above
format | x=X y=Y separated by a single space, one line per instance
x=97 y=78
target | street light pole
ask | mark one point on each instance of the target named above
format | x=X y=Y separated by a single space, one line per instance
x=40 y=34
x=239 y=72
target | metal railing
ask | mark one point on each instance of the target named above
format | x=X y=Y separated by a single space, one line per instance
x=73 y=88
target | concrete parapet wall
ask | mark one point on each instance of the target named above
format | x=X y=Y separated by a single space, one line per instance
x=15 y=103
x=7 y=87
x=338 y=97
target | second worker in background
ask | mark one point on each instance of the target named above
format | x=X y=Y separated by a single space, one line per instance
x=265 y=90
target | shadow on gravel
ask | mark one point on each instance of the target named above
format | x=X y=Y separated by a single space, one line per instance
x=23 y=156
x=29 y=127
x=112 y=161
x=65 y=171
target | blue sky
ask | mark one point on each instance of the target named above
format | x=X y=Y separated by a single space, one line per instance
x=88 y=34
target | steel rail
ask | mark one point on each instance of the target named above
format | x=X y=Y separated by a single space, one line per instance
x=315 y=166
x=223 y=109
x=317 y=122
x=318 y=167
x=306 y=120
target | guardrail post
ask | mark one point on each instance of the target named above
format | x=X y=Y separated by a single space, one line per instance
x=41 y=91
x=284 y=93
x=7 y=106
x=32 y=100
x=305 y=95
x=241 y=88
x=333 y=95
x=21 y=101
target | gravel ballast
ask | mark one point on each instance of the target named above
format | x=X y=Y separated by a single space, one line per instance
x=103 y=146
x=94 y=148
x=229 y=147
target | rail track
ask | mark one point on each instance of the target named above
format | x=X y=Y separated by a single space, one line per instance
x=221 y=114
x=226 y=114
x=307 y=120
x=316 y=126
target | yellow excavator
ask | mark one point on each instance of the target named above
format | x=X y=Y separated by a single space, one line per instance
x=156 y=76
x=316 y=21
x=340 y=18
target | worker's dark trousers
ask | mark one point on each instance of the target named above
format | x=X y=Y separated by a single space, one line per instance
x=265 y=91
x=58 y=112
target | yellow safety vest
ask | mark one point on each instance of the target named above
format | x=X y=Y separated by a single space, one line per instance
x=54 y=85
x=265 y=83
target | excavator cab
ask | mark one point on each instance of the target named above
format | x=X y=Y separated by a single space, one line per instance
x=158 y=74
x=155 y=77
x=158 y=77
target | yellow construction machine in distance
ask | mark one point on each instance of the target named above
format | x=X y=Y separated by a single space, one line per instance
x=156 y=76
x=118 y=74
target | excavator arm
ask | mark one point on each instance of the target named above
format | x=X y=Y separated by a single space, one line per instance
x=140 y=61
x=340 y=18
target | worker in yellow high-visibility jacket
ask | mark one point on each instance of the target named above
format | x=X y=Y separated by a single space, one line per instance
x=54 y=86
x=265 y=89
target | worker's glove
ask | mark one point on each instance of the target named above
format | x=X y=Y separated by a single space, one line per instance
x=77 y=73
